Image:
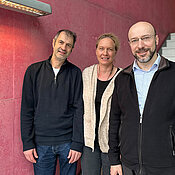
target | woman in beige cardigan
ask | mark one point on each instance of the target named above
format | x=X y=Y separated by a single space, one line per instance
x=98 y=86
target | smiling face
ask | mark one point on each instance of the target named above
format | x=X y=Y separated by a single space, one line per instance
x=143 y=42
x=105 y=51
x=62 y=47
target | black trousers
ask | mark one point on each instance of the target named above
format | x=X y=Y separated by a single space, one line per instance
x=92 y=163
x=149 y=171
x=127 y=171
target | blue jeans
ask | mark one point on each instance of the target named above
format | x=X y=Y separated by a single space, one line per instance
x=93 y=163
x=47 y=160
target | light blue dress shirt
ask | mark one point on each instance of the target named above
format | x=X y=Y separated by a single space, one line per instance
x=143 y=80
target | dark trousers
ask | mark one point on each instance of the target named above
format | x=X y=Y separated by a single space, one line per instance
x=149 y=171
x=127 y=171
x=92 y=163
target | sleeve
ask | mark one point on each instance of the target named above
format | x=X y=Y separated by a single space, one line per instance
x=27 y=112
x=114 y=125
x=78 y=131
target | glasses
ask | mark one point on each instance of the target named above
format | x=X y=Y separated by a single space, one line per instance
x=145 y=39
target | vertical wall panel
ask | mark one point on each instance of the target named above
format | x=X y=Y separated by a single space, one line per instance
x=6 y=136
x=6 y=61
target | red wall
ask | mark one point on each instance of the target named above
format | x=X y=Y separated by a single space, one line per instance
x=25 y=39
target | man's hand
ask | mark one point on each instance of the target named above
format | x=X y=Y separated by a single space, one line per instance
x=31 y=155
x=73 y=156
x=116 y=170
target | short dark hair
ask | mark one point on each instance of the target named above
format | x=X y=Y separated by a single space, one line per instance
x=68 y=33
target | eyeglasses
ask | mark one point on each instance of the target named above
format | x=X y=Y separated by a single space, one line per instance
x=145 y=39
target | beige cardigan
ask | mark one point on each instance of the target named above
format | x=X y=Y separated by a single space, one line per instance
x=89 y=94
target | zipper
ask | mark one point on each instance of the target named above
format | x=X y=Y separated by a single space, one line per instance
x=140 y=144
x=141 y=118
x=140 y=132
x=172 y=137
x=55 y=79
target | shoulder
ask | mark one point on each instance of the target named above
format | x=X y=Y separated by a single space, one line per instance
x=127 y=70
x=90 y=69
x=124 y=73
x=34 y=68
x=171 y=63
x=171 y=68
x=73 y=67
x=36 y=65
x=119 y=70
x=166 y=64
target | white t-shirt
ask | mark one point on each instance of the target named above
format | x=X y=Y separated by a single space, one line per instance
x=56 y=71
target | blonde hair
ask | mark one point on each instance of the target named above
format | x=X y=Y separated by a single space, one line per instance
x=109 y=35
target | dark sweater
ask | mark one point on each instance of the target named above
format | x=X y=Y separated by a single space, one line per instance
x=152 y=142
x=52 y=109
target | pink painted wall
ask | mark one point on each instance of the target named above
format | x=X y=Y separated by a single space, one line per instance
x=25 y=39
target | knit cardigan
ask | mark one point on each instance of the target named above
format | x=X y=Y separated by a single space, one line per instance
x=89 y=94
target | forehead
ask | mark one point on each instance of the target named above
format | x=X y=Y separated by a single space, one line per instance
x=140 y=29
x=65 y=37
x=106 y=42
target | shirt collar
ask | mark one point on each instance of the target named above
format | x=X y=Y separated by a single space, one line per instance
x=156 y=64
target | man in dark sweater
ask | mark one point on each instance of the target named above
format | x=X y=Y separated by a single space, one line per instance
x=142 y=118
x=52 y=110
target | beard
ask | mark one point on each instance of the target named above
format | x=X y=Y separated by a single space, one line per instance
x=150 y=56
